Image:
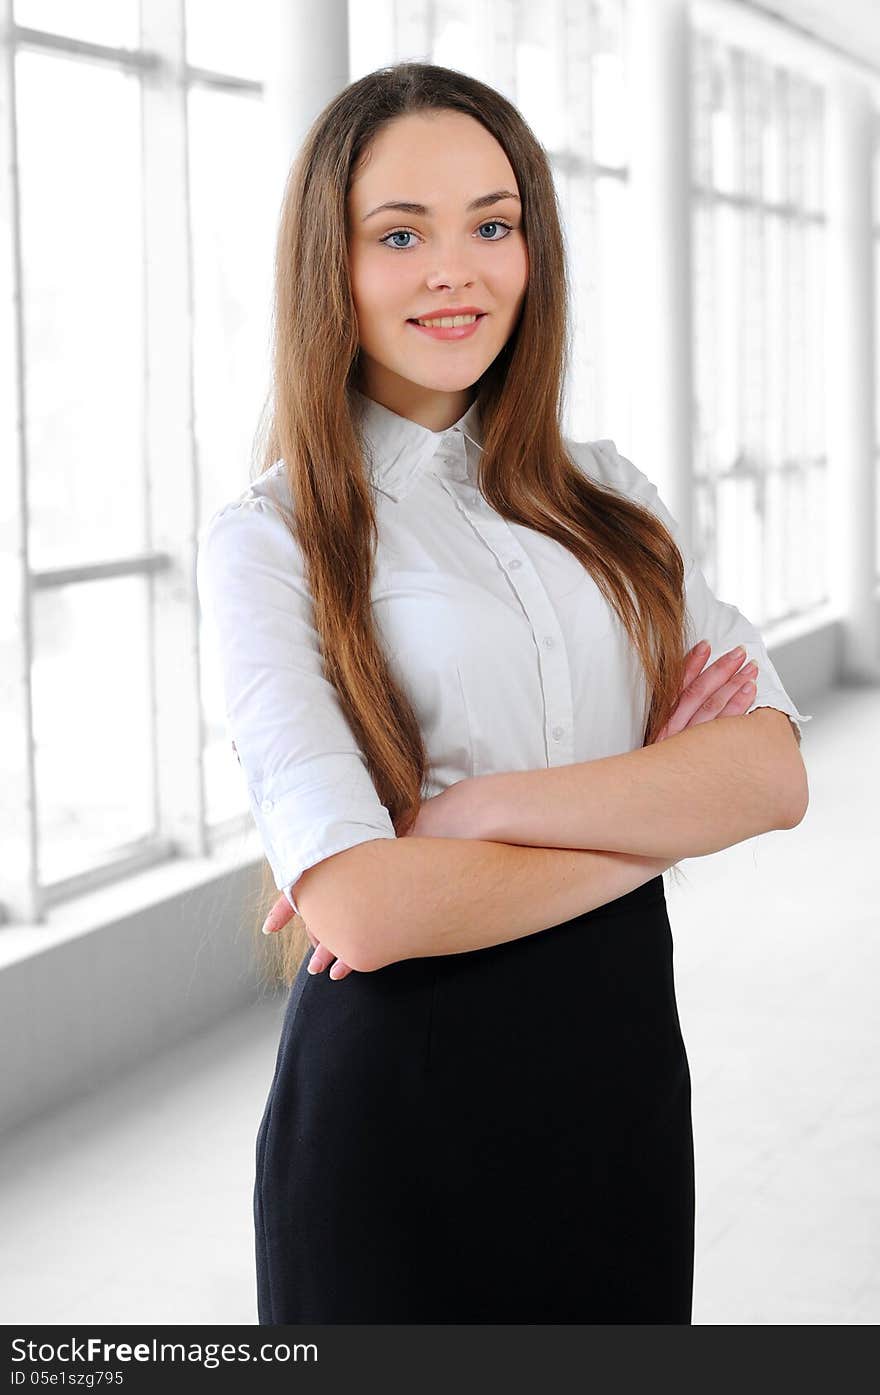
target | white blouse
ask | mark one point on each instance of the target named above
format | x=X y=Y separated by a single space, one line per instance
x=508 y=651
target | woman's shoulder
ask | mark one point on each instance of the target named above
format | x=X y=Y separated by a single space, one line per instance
x=261 y=503
x=599 y=459
x=256 y=524
x=603 y=463
x=269 y=491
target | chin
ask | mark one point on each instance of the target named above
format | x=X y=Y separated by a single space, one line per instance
x=453 y=378
x=461 y=383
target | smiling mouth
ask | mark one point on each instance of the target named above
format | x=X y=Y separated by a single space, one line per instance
x=449 y=329
x=447 y=321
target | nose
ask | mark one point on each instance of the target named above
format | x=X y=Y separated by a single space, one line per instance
x=450 y=273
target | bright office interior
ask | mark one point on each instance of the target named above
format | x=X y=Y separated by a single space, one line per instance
x=718 y=169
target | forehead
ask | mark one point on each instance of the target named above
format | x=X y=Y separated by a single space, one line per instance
x=426 y=157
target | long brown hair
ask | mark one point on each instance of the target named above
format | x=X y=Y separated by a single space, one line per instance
x=526 y=472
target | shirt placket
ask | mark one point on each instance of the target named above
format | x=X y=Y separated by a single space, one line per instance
x=497 y=535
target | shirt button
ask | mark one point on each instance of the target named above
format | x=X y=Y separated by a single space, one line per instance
x=515 y=563
x=548 y=641
x=558 y=733
x=267 y=806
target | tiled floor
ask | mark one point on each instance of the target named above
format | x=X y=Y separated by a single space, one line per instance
x=135 y=1205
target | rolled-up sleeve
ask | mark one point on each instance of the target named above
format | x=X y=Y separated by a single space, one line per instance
x=718 y=622
x=310 y=792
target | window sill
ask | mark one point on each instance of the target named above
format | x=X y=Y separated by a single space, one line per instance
x=133 y=895
x=123 y=972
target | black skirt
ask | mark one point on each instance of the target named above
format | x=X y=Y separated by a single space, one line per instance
x=497 y=1136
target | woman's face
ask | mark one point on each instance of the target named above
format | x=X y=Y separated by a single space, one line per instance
x=407 y=264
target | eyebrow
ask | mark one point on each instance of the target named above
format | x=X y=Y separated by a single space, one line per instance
x=401 y=206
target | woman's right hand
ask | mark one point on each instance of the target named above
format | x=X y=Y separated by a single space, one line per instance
x=722 y=690
x=323 y=958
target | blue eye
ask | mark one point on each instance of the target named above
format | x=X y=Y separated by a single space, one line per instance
x=405 y=232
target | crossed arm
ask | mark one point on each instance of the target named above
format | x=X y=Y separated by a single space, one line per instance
x=704 y=789
x=713 y=785
x=702 y=786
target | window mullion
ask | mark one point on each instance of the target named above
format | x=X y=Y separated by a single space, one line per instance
x=19 y=894
x=171 y=465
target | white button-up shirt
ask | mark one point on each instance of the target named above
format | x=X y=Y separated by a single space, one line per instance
x=508 y=651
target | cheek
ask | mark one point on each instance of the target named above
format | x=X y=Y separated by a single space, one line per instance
x=376 y=283
x=379 y=298
x=518 y=267
x=508 y=277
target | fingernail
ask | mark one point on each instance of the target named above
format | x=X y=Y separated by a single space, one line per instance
x=739 y=653
x=265 y=927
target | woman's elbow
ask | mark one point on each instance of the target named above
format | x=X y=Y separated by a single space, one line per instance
x=798 y=798
x=783 y=765
x=336 y=896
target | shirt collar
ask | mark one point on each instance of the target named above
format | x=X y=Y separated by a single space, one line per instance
x=397 y=449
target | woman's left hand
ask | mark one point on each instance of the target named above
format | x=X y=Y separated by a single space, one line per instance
x=724 y=689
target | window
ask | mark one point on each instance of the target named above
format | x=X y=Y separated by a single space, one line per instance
x=759 y=228
x=142 y=208
x=875 y=208
x=562 y=63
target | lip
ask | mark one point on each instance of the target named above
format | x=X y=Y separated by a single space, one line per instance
x=449 y=310
x=452 y=331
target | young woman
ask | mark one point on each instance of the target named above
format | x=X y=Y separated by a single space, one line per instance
x=454 y=650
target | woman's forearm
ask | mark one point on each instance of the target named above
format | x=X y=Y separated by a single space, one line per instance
x=406 y=898
x=704 y=789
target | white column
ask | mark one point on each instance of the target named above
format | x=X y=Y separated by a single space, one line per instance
x=169 y=445
x=850 y=380
x=660 y=310
x=307 y=64
x=19 y=899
